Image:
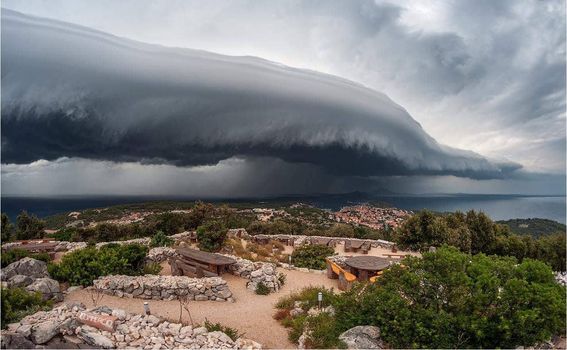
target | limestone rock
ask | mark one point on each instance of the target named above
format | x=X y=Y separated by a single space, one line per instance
x=42 y=332
x=95 y=339
x=28 y=267
x=11 y=340
x=19 y=281
x=363 y=337
x=49 y=288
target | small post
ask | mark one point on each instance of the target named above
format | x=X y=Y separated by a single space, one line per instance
x=146 y=308
x=289 y=258
x=320 y=299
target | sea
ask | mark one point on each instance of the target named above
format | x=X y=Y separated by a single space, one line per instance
x=498 y=207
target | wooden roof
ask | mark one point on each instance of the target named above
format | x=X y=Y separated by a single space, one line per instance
x=369 y=263
x=205 y=257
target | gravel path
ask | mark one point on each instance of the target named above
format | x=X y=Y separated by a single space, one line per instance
x=251 y=313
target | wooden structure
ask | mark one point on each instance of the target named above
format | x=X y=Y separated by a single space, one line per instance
x=196 y=263
x=327 y=241
x=365 y=267
x=334 y=271
x=261 y=239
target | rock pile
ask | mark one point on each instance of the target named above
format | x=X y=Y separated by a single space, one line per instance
x=63 y=327
x=256 y=272
x=69 y=246
x=165 y=287
x=32 y=275
x=142 y=241
x=30 y=267
x=160 y=254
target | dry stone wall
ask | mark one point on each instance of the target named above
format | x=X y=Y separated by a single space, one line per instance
x=256 y=272
x=160 y=254
x=64 y=327
x=165 y=287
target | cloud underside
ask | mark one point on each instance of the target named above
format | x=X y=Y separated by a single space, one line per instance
x=69 y=91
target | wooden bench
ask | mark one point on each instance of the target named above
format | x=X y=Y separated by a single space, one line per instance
x=348 y=246
x=396 y=256
x=334 y=271
x=365 y=247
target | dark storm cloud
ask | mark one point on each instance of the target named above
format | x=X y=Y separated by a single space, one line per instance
x=69 y=91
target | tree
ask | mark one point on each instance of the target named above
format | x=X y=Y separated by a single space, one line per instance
x=29 y=226
x=7 y=228
x=421 y=231
x=211 y=236
x=450 y=299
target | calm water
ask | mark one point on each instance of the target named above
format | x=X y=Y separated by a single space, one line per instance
x=497 y=207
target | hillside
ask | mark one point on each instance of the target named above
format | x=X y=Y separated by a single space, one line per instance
x=534 y=227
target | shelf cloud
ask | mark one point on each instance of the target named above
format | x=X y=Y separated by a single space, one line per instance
x=69 y=91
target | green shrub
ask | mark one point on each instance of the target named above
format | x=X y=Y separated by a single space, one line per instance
x=324 y=333
x=262 y=289
x=311 y=256
x=17 y=303
x=29 y=226
x=211 y=236
x=449 y=299
x=281 y=278
x=152 y=269
x=308 y=298
x=161 y=240
x=231 y=332
x=16 y=254
x=83 y=266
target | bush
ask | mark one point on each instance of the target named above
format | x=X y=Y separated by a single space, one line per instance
x=311 y=256
x=17 y=303
x=323 y=332
x=281 y=278
x=83 y=266
x=29 y=226
x=161 y=240
x=211 y=236
x=449 y=299
x=231 y=332
x=308 y=298
x=16 y=254
x=152 y=269
x=262 y=289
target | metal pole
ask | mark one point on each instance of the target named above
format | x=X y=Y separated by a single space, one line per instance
x=320 y=299
x=146 y=308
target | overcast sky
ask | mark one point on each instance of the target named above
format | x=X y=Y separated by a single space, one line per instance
x=478 y=76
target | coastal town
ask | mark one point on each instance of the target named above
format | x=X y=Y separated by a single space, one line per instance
x=373 y=217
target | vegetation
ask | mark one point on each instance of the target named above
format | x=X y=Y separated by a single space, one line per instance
x=311 y=256
x=29 y=226
x=7 y=229
x=323 y=327
x=534 y=227
x=17 y=303
x=450 y=299
x=447 y=299
x=211 y=236
x=281 y=278
x=474 y=232
x=152 y=269
x=262 y=289
x=83 y=266
x=161 y=240
x=16 y=254
x=231 y=332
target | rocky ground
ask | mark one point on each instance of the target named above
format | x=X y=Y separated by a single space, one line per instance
x=64 y=327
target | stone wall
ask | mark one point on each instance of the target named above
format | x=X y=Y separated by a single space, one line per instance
x=63 y=327
x=256 y=272
x=160 y=254
x=165 y=287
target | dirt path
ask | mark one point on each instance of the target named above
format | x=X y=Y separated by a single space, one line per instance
x=251 y=313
